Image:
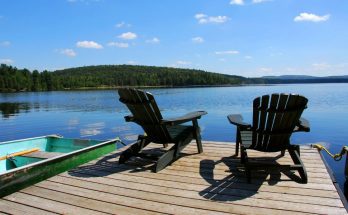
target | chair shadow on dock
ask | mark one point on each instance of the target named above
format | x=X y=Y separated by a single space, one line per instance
x=108 y=165
x=234 y=186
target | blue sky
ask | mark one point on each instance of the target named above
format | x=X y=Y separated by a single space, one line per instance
x=251 y=38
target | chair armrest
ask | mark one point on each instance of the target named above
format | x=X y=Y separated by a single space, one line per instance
x=302 y=125
x=237 y=119
x=185 y=118
x=129 y=118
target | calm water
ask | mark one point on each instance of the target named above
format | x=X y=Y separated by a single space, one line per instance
x=99 y=114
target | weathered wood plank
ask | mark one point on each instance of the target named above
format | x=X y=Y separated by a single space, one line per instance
x=100 y=205
x=49 y=205
x=8 y=207
x=43 y=155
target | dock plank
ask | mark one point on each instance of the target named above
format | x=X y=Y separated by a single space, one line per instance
x=8 y=207
x=48 y=205
x=212 y=182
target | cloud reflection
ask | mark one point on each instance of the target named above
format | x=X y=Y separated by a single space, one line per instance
x=92 y=129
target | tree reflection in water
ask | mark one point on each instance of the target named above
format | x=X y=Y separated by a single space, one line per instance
x=9 y=109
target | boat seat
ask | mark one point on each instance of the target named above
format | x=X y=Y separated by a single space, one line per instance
x=42 y=154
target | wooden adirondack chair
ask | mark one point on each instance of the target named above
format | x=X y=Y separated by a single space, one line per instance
x=146 y=113
x=275 y=118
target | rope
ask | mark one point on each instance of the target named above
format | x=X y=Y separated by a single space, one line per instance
x=117 y=139
x=336 y=157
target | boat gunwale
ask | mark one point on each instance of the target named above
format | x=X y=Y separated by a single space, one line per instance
x=32 y=138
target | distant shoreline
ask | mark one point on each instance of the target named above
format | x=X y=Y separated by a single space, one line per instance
x=163 y=87
x=115 y=76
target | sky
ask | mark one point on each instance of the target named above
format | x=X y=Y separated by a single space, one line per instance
x=251 y=38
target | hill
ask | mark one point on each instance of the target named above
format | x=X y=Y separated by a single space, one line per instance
x=293 y=79
x=130 y=75
x=113 y=76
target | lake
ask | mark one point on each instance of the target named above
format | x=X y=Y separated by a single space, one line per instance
x=97 y=114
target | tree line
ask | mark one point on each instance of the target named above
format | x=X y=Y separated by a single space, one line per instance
x=113 y=76
x=13 y=79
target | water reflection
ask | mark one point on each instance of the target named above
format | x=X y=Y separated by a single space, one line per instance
x=9 y=109
x=92 y=129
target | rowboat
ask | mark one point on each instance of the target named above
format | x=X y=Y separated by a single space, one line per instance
x=28 y=161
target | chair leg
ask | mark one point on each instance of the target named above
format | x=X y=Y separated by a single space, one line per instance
x=165 y=159
x=172 y=154
x=133 y=150
x=244 y=160
x=294 y=151
x=282 y=153
x=197 y=135
x=243 y=155
x=237 y=142
x=248 y=174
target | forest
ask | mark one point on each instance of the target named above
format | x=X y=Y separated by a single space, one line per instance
x=110 y=76
x=113 y=76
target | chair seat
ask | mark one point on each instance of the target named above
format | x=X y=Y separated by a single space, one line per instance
x=180 y=132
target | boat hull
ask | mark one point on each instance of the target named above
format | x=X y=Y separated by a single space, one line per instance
x=27 y=175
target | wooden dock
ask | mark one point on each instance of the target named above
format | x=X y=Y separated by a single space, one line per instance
x=209 y=183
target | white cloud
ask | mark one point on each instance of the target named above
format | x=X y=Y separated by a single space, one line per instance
x=200 y=15
x=248 y=57
x=231 y=52
x=88 y=45
x=181 y=62
x=259 y=1
x=310 y=17
x=290 y=69
x=122 y=24
x=131 y=62
x=153 y=40
x=266 y=70
x=5 y=43
x=6 y=61
x=204 y=19
x=197 y=40
x=68 y=52
x=119 y=45
x=237 y=2
x=222 y=59
x=321 y=66
x=128 y=36
x=242 y=2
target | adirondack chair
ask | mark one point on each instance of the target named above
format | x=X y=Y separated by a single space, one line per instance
x=146 y=113
x=275 y=118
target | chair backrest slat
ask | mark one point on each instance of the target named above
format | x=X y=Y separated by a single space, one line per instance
x=262 y=119
x=145 y=112
x=274 y=120
x=271 y=118
x=256 y=105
